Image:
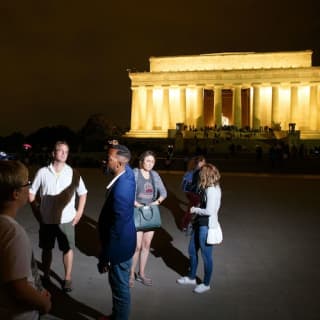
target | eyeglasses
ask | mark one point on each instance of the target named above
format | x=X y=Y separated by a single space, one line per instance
x=26 y=184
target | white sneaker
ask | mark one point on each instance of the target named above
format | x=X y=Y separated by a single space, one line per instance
x=186 y=280
x=200 y=288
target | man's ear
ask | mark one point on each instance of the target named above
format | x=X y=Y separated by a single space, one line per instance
x=15 y=194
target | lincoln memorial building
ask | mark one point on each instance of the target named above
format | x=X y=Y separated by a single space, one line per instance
x=244 y=90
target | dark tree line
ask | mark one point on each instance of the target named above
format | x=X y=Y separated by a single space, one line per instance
x=91 y=137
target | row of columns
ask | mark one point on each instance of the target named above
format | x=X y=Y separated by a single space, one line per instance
x=155 y=108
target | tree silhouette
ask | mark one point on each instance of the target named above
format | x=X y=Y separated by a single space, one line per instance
x=46 y=137
x=94 y=133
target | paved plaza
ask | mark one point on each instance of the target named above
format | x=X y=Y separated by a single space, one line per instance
x=268 y=266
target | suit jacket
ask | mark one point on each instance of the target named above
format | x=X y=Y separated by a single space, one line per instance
x=116 y=222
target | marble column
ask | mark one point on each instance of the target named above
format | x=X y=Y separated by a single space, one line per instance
x=275 y=112
x=182 y=97
x=135 y=121
x=158 y=113
x=189 y=107
x=142 y=106
x=166 y=114
x=199 y=116
x=217 y=108
x=236 y=107
x=313 y=115
x=174 y=106
x=150 y=111
x=293 y=104
x=318 y=108
x=256 y=121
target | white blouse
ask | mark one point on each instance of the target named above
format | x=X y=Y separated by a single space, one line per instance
x=213 y=204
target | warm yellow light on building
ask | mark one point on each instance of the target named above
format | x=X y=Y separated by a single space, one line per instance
x=303 y=108
x=250 y=89
x=142 y=96
x=157 y=106
x=284 y=110
x=190 y=106
x=174 y=94
x=174 y=100
x=266 y=105
x=157 y=94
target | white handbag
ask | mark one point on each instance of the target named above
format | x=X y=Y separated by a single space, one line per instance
x=214 y=235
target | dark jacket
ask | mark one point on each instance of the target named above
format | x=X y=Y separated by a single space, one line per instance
x=116 y=223
x=194 y=184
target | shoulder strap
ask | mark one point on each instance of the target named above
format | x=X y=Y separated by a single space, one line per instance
x=75 y=179
x=136 y=172
x=63 y=198
x=154 y=196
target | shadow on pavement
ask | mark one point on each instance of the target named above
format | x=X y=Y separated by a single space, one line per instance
x=65 y=307
x=173 y=205
x=162 y=247
x=87 y=237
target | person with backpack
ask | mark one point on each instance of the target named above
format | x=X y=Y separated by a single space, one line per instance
x=190 y=187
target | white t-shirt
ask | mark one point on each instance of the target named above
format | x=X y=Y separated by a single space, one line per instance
x=15 y=263
x=50 y=184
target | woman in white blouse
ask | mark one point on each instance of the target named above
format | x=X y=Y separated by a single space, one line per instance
x=205 y=215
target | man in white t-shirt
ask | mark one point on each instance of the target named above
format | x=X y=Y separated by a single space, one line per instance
x=20 y=296
x=58 y=185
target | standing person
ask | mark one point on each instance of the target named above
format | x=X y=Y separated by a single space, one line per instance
x=58 y=184
x=187 y=177
x=200 y=161
x=20 y=298
x=150 y=191
x=117 y=231
x=204 y=216
x=190 y=185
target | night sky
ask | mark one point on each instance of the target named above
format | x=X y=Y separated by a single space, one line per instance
x=62 y=61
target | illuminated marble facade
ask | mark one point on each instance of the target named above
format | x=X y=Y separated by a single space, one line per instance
x=246 y=89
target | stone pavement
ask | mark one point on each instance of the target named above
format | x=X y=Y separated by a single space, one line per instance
x=268 y=266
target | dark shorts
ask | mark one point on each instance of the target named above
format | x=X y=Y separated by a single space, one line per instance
x=64 y=233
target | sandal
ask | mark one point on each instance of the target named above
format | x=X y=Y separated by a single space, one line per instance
x=144 y=280
x=67 y=286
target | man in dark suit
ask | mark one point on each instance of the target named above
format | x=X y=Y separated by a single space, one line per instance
x=117 y=230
